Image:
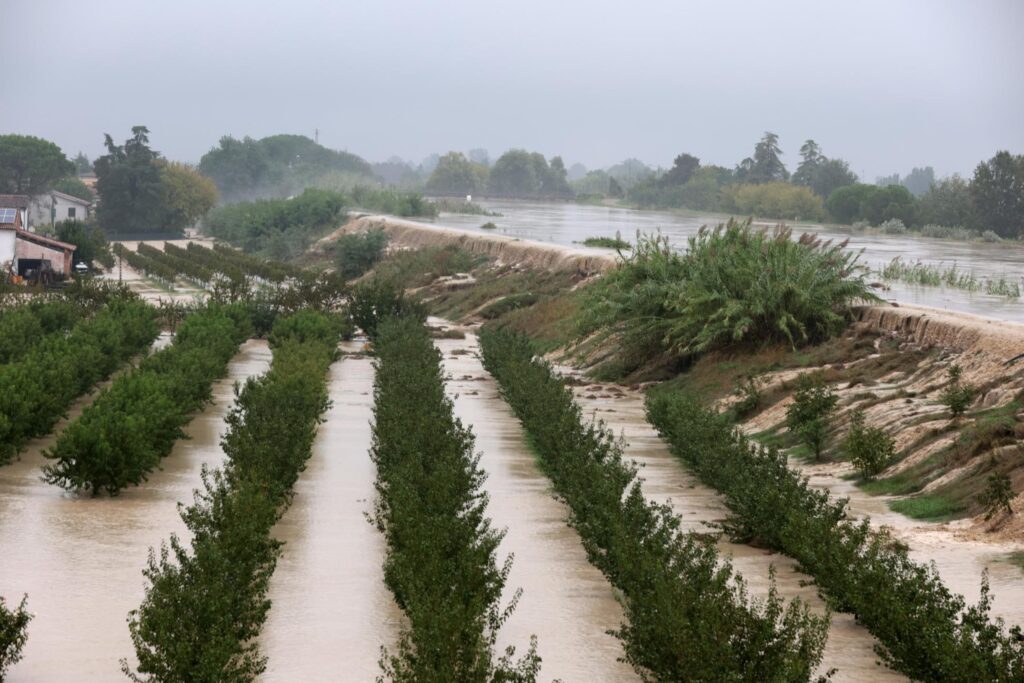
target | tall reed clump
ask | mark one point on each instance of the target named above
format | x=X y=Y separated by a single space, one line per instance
x=206 y=602
x=733 y=285
x=123 y=435
x=924 y=630
x=688 y=615
x=441 y=563
x=37 y=388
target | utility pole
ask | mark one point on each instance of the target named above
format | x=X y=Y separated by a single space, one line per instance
x=316 y=135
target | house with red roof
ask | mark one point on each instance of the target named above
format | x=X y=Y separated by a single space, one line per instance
x=22 y=251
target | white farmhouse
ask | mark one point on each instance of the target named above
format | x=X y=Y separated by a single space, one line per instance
x=54 y=207
x=22 y=251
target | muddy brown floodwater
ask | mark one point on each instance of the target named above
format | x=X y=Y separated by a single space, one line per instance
x=850 y=647
x=331 y=611
x=80 y=559
x=566 y=602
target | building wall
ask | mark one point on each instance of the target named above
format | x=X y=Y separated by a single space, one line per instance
x=60 y=261
x=6 y=250
x=40 y=210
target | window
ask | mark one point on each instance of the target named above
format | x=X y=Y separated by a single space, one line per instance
x=71 y=212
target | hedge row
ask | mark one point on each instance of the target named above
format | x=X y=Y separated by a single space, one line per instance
x=688 y=614
x=441 y=564
x=143 y=264
x=206 y=603
x=23 y=327
x=124 y=434
x=37 y=389
x=272 y=271
x=924 y=630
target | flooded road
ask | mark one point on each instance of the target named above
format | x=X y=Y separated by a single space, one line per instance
x=80 y=559
x=569 y=223
x=850 y=646
x=331 y=611
x=566 y=602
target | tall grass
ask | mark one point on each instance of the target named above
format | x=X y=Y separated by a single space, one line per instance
x=734 y=285
x=932 y=275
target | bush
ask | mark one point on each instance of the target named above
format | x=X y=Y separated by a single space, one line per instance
x=206 y=603
x=679 y=597
x=749 y=391
x=375 y=300
x=735 y=285
x=489 y=225
x=893 y=226
x=616 y=243
x=13 y=634
x=998 y=495
x=957 y=396
x=869 y=448
x=774 y=200
x=924 y=630
x=990 y=236
x=808 y=416
x=441 y=563
x=356 y=253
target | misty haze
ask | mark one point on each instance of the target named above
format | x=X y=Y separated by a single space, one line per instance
x=511 y=342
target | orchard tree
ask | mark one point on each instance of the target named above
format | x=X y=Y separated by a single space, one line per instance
x=997 y=192
x=130 y=186
x=30 y=165
x=186 y=195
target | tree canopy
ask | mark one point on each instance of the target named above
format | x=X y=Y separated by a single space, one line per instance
x=997 y=191
x=455 y=174
x=765 y=166
x=518 y=173
x=186 y=195
x=129 y=184
x=30 y=165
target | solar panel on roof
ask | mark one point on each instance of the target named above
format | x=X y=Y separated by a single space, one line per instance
x=7 y=215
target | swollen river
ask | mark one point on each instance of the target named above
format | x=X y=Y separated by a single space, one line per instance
x=570 y=224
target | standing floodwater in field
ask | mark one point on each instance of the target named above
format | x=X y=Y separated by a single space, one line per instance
x=566 y=602
x=80 y=559
x=330 y=603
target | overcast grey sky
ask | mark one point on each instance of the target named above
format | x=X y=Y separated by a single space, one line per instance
x=884 y=84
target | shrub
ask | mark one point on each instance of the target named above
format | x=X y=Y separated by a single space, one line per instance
x=616 y=243
x=893 y=226
x=924 y=630
x=13 y=634
x=808 y=416
x=997 y=496
x=990 y=236
x=735 y=285
x=375 y=300
x=680 y=599
x=356 y=253
x=774 y=200
x=749 y=391
x=957 y=396
x=489 y=225
x=869 y=448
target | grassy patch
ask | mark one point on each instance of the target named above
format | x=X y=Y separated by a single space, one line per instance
x=928 y=507
x=1016 y=558
x=608 y=243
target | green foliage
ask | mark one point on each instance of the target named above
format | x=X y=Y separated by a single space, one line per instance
x=357 y=253
x=870 y=449
x=373 y=301
x=924 y=630
x=997 y=194
x=206 y=603
x=872 y=204
x=441 y=563
x=774 y=200
x=957 y=396
x=506 y=304
x=448 y=205
x=734 y=285
x=185 y=194
x=73 y=186
x=947 y=202
x=455 y=174
x=90 y=242
x=157 y=269
x=489 y=225
x=393 y=202
x=750 y=396
x=518 y=173
x=807 y=417
x=997 y=496
x=38 y=388
x=13 y=634
x=129 y=185
x=30 y=165
x=821 y=174
x=131 y=426
x=23 y=327
x=276 y=166
x=688 y=615
x=765 y=166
